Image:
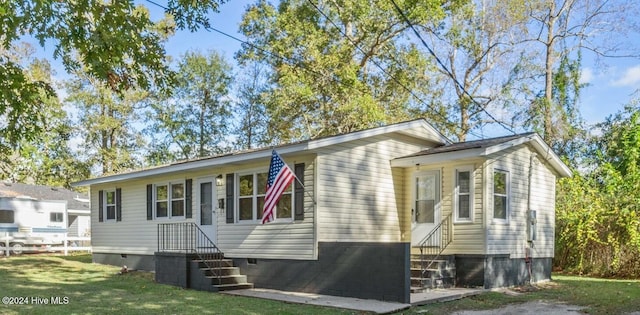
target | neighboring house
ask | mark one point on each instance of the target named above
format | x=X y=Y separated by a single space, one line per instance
x=41 y=215
x=384 y=211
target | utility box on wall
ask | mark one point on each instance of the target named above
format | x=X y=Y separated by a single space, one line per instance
x=532 y=226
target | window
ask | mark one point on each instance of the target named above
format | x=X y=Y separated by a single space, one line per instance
x=500 y=195
x=56 y=217
x=252 y=188
x=463 y=195
x=169 y=200
x=110 y=204
x=7 y=216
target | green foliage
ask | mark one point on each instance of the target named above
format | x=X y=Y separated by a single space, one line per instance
x=42 y=156
x=106 y=124
x=321 y=83
x=196 y=119
x=113 y=42
x=598 y=213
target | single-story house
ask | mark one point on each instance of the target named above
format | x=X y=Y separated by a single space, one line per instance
x=382 y=212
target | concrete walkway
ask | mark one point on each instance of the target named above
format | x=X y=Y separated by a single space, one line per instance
x=373 y=306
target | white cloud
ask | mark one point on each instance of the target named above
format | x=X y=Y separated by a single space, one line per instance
x=586 y=75
x=631 y=77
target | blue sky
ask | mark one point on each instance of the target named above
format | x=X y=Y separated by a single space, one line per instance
x=609 y=88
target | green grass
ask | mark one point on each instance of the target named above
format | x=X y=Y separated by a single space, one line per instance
x=597 y=296
x=99 y=289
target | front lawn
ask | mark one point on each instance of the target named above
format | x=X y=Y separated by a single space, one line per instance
x=99 y=289
x=81 y=287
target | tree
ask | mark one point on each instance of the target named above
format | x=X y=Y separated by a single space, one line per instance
x=106 y=121
x=335 y=66
x=598 y=212
x=45 y=158
x=197 y=119
x=115 y=42
x=566 y=29
x=250 y=108
x=476 y=43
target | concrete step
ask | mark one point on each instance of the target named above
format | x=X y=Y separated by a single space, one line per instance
x=438 y=263
x=214 y=263
x=433 y=283
x=235 y=279
x=433 y=273
x=237 y=286
x=223 y=271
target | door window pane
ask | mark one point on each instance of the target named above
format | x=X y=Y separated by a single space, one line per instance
x=206 y=204
x=425 y=211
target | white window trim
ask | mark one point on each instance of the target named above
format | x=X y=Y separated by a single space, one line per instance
x=169 y=199
x=466 y=168
x=508 y=196
x=257 y=220
x=105 y=206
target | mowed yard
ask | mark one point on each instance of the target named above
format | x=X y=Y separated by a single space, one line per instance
x=80 y=287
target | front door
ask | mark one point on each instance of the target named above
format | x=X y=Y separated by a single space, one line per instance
x=208 y=218
x=426 y=205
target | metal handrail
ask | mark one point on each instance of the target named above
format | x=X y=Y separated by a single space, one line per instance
x=187 y=237
x=435 y=242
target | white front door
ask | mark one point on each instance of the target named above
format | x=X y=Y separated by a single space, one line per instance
x=425 y=210
x=208 y=219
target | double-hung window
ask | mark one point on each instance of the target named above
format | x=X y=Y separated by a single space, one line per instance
x=463 y=194
x=251 y=191
x=501 y=195
x=110 y=204
x=169 y=200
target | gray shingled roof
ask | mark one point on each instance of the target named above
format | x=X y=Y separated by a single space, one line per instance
x=40 y=192
x=475 y=144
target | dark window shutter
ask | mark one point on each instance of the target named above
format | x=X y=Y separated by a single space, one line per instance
x=149 y=202
x=118 y=204
x=299 y=192
x=230 y=208
x=187 y=198
x=100 y=205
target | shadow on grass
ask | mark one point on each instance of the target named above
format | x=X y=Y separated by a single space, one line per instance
x=100 y=289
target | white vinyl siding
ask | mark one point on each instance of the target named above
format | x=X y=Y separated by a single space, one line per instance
x=356 y=190
x=281 y=239
x=468 y=236
x=511 y=238
x=137 y=235
x=134 y=234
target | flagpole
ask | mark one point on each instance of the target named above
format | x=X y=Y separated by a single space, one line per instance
x=299 y=181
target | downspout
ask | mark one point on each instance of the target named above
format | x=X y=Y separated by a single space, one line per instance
x=528 y=251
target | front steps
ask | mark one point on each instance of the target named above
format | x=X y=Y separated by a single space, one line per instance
x=217 y=275
x=441 y=274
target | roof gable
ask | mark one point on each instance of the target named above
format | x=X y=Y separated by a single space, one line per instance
x=484 y=148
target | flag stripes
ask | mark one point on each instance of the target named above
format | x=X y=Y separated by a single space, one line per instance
x=279 y=178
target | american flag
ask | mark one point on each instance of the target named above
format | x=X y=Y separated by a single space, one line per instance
x=280 y=177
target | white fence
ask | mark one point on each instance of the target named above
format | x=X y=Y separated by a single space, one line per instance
x=70 y=244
